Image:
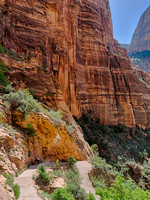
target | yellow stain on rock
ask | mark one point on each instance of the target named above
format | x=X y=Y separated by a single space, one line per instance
x=50 y=142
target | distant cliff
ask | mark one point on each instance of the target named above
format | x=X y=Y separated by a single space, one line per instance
x=139 y=49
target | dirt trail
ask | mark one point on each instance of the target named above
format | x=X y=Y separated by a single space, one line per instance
x=84 y=168
x=27 y=185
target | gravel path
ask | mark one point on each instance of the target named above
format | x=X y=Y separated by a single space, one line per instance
x=84 y=168
x=27 y=185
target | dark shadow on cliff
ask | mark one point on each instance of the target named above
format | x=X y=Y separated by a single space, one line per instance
x=114 y=141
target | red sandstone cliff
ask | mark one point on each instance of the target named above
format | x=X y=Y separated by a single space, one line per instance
x=71 y=58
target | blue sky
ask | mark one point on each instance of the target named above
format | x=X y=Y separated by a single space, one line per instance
x=125 y=16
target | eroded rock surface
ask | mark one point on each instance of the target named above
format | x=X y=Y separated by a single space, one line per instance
x=51 y=141
x=13 y=152
x=74 y=59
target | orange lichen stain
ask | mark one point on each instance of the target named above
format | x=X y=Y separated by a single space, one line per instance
x=50 y=142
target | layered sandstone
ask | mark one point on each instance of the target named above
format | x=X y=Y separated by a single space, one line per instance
x=86 y=69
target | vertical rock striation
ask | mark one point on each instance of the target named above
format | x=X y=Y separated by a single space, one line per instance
x=73 y=39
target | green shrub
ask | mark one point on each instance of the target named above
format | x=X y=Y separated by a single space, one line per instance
x=78 y=192
x=123 y=190
x=72 y=176
x=72 y=161
x=3 y=79
x=62 y=194
x=58 y=173
x=99 y=182
x=45 y=196
x=31 y=90
x=94 y=149
x=9 y=179
x=2 y=50
x=15 y=187
x=16 y=190
x=31 y=131
x=8 y=88
x=70 y=128
x=24 y=102
x=91 y=197
x=3 y=67
x=56 y=164
x=55 y=114
x=44 y=176
x=73 y=180
x=100 y=163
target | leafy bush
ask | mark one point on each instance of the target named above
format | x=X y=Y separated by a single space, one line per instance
x=24 y=102
x=16 y=190
x=94 y=149
x=15 y=187
x=8 y=88
x=73 y=180
x=123 y=190
x=62 y=194
x=70 y=128
x=91 y=197
x=58 y=173
x=9 y=179
x=99 y=182
x=55 y=114
x=2 y=50
x=31 y=130
x=56 y=164
x=45 y=196
x=123 y=166
x=3 y=79
x=71 y=161
x=44 y=176
x=72 y=176
x=100 y=163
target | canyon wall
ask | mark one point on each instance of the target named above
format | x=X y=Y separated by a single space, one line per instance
x=67 y=55
x=141 y=37
x=139 y=49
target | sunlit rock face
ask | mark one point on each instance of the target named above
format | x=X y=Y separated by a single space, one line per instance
x=51 y=142
x=140 y=44
x=74 y=40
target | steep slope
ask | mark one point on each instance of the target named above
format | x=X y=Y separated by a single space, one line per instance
x=139 y=49
x=141 y=37
x=70 y=58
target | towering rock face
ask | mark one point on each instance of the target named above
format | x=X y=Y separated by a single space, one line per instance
x=141 y=37
x=86 y=69
x=140 y=44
